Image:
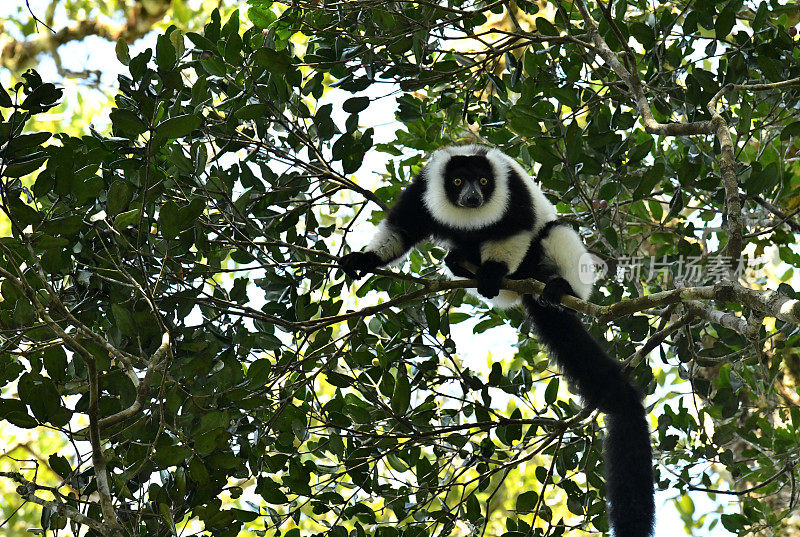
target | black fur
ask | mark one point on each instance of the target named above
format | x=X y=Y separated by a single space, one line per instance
x=490 y=277
x=596 y=377
x=601 y=383
x=357 y=264
x=468 y=169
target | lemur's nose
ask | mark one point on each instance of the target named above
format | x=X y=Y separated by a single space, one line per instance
x=470 y=197
x=472 y=201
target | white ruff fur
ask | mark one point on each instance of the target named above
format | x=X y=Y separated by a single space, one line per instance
x=442 y=210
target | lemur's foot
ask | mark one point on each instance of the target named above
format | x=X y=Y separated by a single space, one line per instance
x=553 y=291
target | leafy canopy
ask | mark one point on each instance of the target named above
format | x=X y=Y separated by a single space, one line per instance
x=172 y=282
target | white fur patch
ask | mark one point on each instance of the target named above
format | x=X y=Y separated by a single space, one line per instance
x=510 y=250
x=439 y=205
x=386 y=243
x=563 y=248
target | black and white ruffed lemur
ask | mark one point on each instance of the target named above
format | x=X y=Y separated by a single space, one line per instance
x=490 y=213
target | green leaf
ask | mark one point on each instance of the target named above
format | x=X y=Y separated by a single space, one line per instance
x=551 y=392
x=5 y=98
x=761 y=16
x=42 y=98
x=128 y=218
x=201 y=42
x=233 y=50
x=169 y=220
x=338 y=380
x=354 y=105
x=173 y=219
x=165 y=53
x=176 y=38
x=127 y=123
x=23 y=167
x=734 y=522
x=23 y=214
x=725 y=21
x=276 y=62
x=401 y=397
x=526 y=502
x=171 y=455
x=651 y=178
x=261 y=17
x=523 y=120
x=270 y=491
x=118 y=197
x=190 y=213
x=771 y=68
x=790 y=130
x=41 y=395
x=48 y=242
x=123 y=54
x=60 y=465
x=55 y=362
x=432 y=317
x=251 y=111
x=16 y=412
x=65 y=226
x=640 y=151
x=124 y=320
x=27 y=141
x=545 y=27
x=178 y=126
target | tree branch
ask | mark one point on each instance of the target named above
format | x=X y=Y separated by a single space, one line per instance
x=27 y=491
x=20 y=55
x=143 y=388
x=634 y=83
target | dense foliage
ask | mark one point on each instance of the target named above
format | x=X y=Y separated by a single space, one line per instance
x=171 y=303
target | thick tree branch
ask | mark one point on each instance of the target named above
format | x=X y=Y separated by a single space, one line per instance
x=143 y=388
x=766 y=303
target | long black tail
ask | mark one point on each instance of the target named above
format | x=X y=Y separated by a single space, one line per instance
x=599 y=380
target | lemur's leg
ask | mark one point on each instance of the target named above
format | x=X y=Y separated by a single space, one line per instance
x=563 y=249
x=455 y=263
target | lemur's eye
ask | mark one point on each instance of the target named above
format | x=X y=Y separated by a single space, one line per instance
x=484 y=181
x=457 y=182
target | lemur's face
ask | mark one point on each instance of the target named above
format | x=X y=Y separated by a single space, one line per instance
x=468 y=180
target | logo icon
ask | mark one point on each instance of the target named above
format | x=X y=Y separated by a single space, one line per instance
x=591 y=268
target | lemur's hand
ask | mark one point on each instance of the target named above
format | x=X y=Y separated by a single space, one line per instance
x=357 y=264
x=554 y=289
x=490 y=276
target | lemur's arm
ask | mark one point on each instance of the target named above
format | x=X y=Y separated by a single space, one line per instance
x=406 y=224
x=499 y=258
